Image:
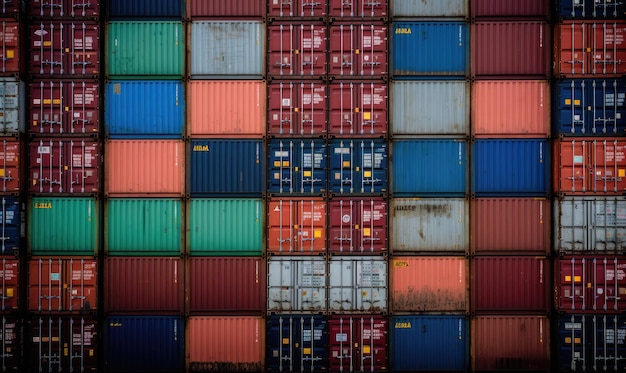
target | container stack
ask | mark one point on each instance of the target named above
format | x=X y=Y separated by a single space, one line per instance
x=589 y=127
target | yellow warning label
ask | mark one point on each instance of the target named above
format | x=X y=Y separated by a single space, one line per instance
x=67 y=50
x=568 y=101
x=9 y=292
x=47 y=43
x=65 y=351
x=35 y=123
x=366 y=232
x=307 y=351
x=91 y=352
x=367 y=174
x=276 y=163
x=285 y=163
x=46 y=101
x=10 y=53
x=367 y=349
x=568 y=278
x=401 y=263
x=346 y=163
x=67 y=108
x=285 y=341
x=621 y=172
x=367 y=115
x=576 y=102
x=568 y=340
x=356 y=110
x=589 y=285
x=56 y=101
x=317 y=233
x=307 y=173
x=577 y=279
x=1 y=172
x=577 y=340
x=296 y=109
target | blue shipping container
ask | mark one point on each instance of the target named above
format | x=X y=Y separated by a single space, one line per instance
x=586 y=9
x=144 y=109
x=511 y=167
x=590 y=107
x=146 y=8
x=226 y=167
x=430 y=48
x=429 y=343
x=358 y=166
x=427 y=168
x=297 y=343
x=144 y=344
x=10 y=216
x=297 y=166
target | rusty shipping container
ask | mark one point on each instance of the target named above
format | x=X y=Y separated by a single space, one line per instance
x=296 y=226
x=510 y=9
x=12 y=154
x=64 y=8
x=297 y=108
x=363 y=9
x=357 y=284
x=357 y=343
x=358 y=50
x=357 y=225
x=296 y=284
x=358 y=108
x=12 y=50
x=297 y=9
x=239 y=9
x=297 y=50
x=10 y=278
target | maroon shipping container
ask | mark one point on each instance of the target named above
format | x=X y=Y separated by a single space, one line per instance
x=10 y=53
x=296 y=226
x=144 y=284
x=511 y=284
x=11 y=165
x=511 y=48
x=69 y=48
x=226 y=9
x=10 y=277
x=69 y=165
x=227 y=284
x=358 y=109
x=64 y=107
x=297 y=108
x=344 y=10
x=591 y=284
x=358 y=50
x=296 y=49
x=358 y=343
x=296 y=9
x=510 y=8
x=357 y=226
x=64 y=8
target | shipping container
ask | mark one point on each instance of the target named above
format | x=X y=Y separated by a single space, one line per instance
x=227 y=48
x=357 y=166
x=10 y=276
x=62 y=344
x=348 y=10
x=144 y=284
x=48 y=219
x=226 y=285
x=296 y=284
x=297 y=49
x=428 y=167
x=357 y=284
x=226 y=108
x=144 y=109
x=239 y=9
x=430 y=48
x=430 y=107
x=511 y=108
x=12 y=106
x=10 y=8
x=510 y=226
x=297 y=108
x=430 y=343
x=511 y=9
x=144 y=344
x=420 y=8
x=11 y=53
x=63 y=8
x=144 y=227
x=226 y=344
x=145 y=49
x=297 y=9
x=153 y=168
x=511 y=167
x=590 y=107
x=358 y=50
x=587 y=9
x=12 y=154
x=358 y=109
x=510 y=343
x=297 y=343
x=357 y=225
x=357 y=343
x=297 y=166
x=143 y=9
x=296 y=226
x=590 y=166
x=11 y=225
x=510 y=284
x=589 y=225
x=65 y=165
x=228 y=167
x=12 y=343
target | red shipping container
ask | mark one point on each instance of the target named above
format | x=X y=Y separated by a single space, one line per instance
x=358 y=109
x=297 y=108
x=296 y=226
x=10 y=7
x=296 y=49
x=358 y=50
x=345 y=10
x=227 y=284
x=69 y=165
x=240 y=9
x=591 y=284
x=297 y=9
x=10 y=53
x=510 y=8
x=590 y=166
x=10 y=277
x=64 y=8
x=144 y=284
x=357 y=226
x=358 y=343
x=11 y=165
x=511 y=284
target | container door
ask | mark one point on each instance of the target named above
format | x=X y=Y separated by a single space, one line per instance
x=574 y=172
x=282 y=155
x=609 y=284
x=10 y=36
x=607 y=225
x=11 y=343
x=312 y=47
x=608 y=48
x=297 y=343
x=609 y=166
x=296 y=284
x=358 y=344
x=572 y=104
x=84 y=161
x=281 y=236
x=373 y=164
x=282 y=108
x=45 y=285
x=81 y=285
x=574 y=60
x=10 y=278
x=10 y=166
x=48 y=48
x=372 y=50
x=11 y=105
x=311 y=220
x=572 y=285
x=11 y=225
x=84 y=107
x=312 y=102
x=608 y=107
x=358 y=285
x=357 y=226
x=609 y=343
x=82 y=8
x=47 y=343
x=84 y=53
x=47 y=108
x=573 y=343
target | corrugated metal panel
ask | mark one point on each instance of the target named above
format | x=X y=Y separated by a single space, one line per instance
x=12 y=154
x=418 y=342
x=357 y=225
x=430 y=48
x=226 y=167
x=225 y=226
x=344 y=10
x=11 y=54
x=297 y=166
x=146 y=8
x=511 y=108
x=430 y=107
x=358 y=49
x=145 y=109
x=297 y=108
x=297 y=343
x=226 y=8
x=227 y=48
x=519 y=167
x=297 y=9
x=11 y=225
x=13 y=340
x=296 y=226
x=12 y=106
x=297 y=49
x=357 y=166
x=591 y=9
x=429 y=168
x=12 y=7
x=60 y=8
x=144 y=226
x=357 y=284
x=226 y=108
x=357 y=343
x=296 y=284
x=511 y=8
x=358 y=109
x=144 y=343
x=145 y=49
x=438 y=8
x=48 y=219
x=590 y=225
x=10 y=278
x=226 y=344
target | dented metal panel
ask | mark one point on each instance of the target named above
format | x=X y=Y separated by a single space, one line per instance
x=357 y=284
x=357 y=225
x=296 y=284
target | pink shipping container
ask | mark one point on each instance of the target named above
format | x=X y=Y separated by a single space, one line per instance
x=510 y=8
x=297 y=49
x=511 y=284
x=296 y=226
x=226 y=8
x=144 y=284
x=225 y=343
x=297 y=108
x=347 y=10
x=510 y=343
x=510 y=225
x=296 y=9
x=358 y=50
x=358 y=109
x=511 y=108
x=357 y=226
x=10 y=277
x=11 y=51
x=358 y=343
x=11 y=165
x=60 y=8
x=145 y=167
x=234 y=108
x=432 y=284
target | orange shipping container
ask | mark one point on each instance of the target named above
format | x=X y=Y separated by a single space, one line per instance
x=296 y=226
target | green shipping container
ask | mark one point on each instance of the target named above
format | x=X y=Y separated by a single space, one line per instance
x=63 y=226
x=146 y=49
x=225 y=226
x=143 y=227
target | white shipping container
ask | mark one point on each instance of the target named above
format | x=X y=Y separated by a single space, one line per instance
x=357 y=284
x=12 y=106
x=296 y=284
